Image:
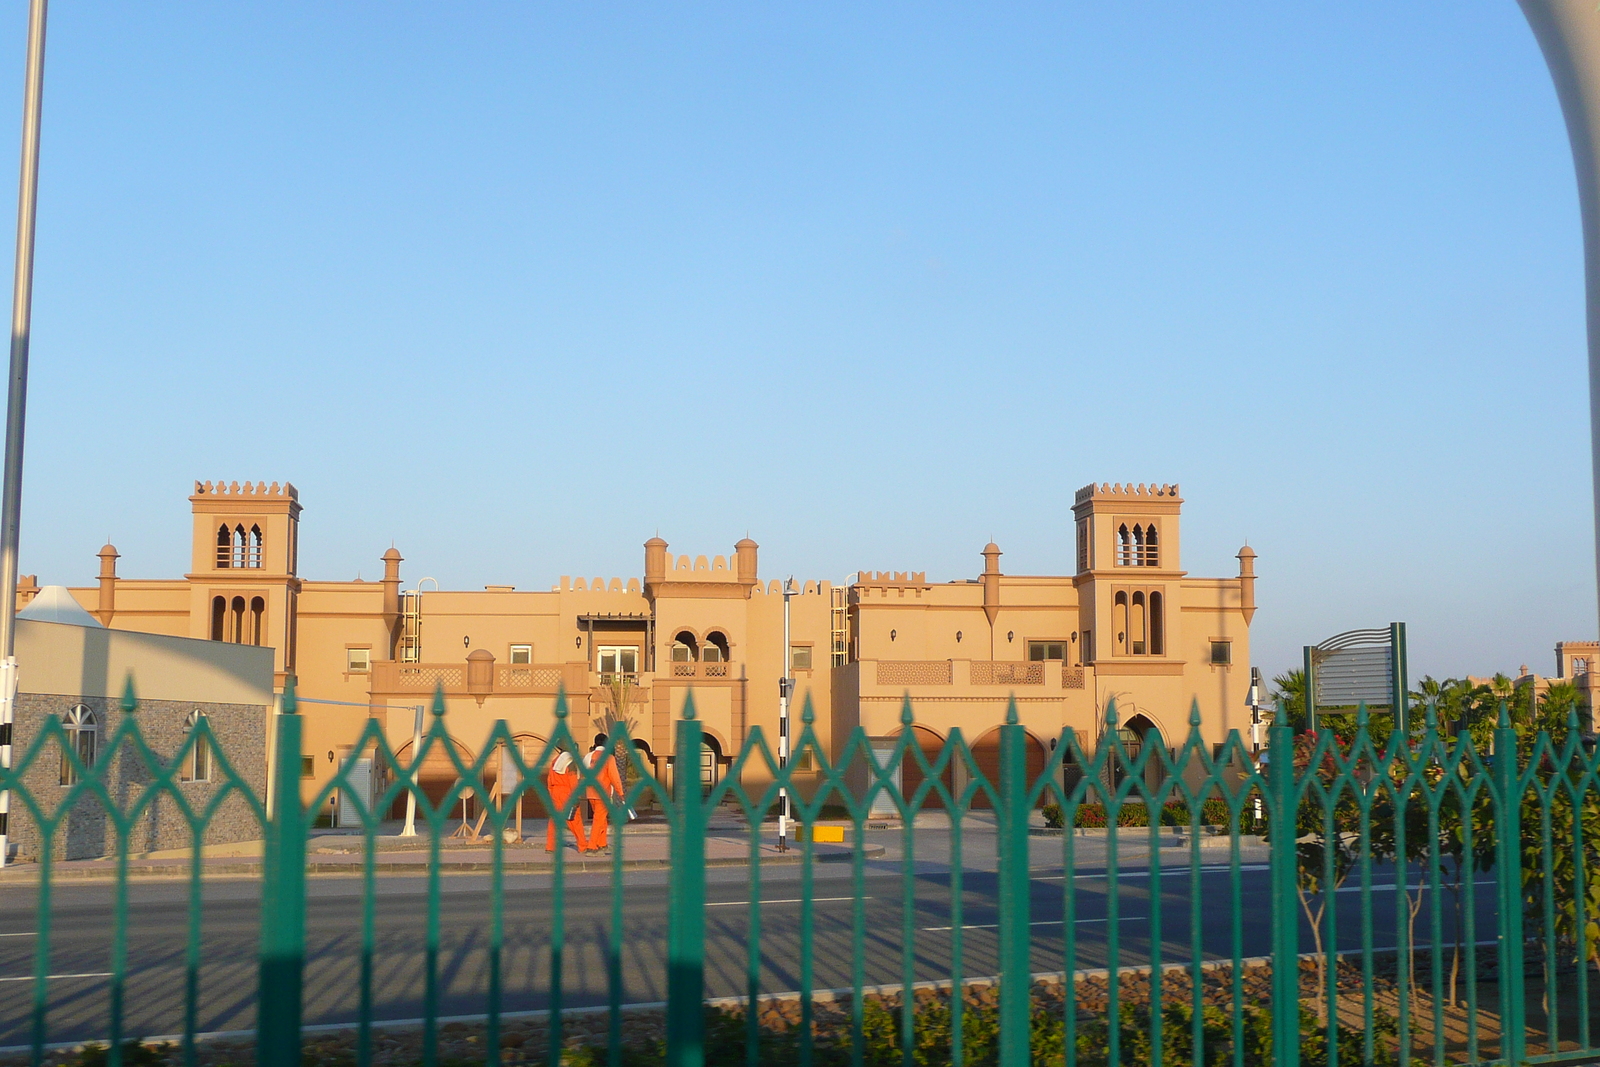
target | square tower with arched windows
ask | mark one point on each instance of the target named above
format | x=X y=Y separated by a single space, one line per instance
x=1127 y=569
x=242 y=577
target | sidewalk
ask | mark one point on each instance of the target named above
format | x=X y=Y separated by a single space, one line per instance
x=343 y=854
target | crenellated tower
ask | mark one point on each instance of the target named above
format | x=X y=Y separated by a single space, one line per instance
x=243 y=585
x=1127 y=569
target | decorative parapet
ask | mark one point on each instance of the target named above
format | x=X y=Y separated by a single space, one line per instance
x=1144 y=491
x=914 y=672
x=538 y=679
x=701 y=670
x=1072 y=678
x=1006 y=672
x=247 y=489
x=570 y=584
x=883 y=581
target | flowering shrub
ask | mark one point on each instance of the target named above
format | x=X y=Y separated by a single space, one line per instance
x=1213 y=812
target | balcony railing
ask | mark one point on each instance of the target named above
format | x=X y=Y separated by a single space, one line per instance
x=914 y=672
x=701 y=670
x=1006 y=672
x=543 y=679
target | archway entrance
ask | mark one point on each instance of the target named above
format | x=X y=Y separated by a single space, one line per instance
x=1137 y=734
x=912 y=776
x=986 y=757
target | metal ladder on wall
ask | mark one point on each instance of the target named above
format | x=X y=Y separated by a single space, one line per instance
x=841 y=625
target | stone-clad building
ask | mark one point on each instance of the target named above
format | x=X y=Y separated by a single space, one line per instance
x=1127 y=622
x=73 y=670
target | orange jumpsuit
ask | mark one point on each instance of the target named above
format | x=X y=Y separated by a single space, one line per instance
x=561 y=785
x=610 y=786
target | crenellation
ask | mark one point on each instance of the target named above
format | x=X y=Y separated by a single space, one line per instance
x=246 y=489
x=1126 y=489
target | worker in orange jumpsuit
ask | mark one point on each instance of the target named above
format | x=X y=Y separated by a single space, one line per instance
x=610 y=788
x=561 y=780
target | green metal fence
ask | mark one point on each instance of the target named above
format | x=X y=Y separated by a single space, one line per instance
x=1359 y=896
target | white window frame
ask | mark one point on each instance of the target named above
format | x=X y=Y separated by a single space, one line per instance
x=197 y=764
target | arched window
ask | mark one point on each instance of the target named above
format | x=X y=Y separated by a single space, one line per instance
x=254 y=548
x=224 y=546
x=716 y=648
x=1151 y=556
x=685 y=649
x=219 y=615
x=1119 y=620
x=238 y=546
x=82 y=734
x=1124 y=547
x=1157 y=623
x=1138 y=546
x=1137 y=632
x=197 y=766
x=236 y=621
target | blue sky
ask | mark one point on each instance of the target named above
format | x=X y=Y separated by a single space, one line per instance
x=516 y=286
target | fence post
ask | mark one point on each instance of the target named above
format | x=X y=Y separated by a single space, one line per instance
x=686 y=917
x=1508 y=879
x=1283 y=812
x=1016 y=981
x=283 y=901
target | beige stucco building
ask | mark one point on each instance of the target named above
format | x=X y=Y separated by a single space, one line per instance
x=1127 y=622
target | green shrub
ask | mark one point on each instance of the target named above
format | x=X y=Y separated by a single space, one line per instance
x=1213 y=812
x=933 y=1037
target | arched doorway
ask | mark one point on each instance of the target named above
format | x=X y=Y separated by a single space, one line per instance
x=1137 y=734
x=437 y=776
x=911 y=774
x=986 y=758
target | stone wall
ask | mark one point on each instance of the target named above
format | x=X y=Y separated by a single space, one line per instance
x=87 y=830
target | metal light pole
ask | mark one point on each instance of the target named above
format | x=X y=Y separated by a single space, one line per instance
x=785 y=692
x=1568 y=32
x=17 y=393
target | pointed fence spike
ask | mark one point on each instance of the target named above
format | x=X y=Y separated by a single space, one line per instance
x=1111 y=712
x=291 y=706
x=1011 y=711
x=561 y=701
x=1504 y=722
x=808 y=714
x=906 y=718
x=438 y=698
x=688 y=705
x=1363 y=717
x=1431 y=715
x=130 y=702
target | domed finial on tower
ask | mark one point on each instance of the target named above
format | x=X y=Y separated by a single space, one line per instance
x=655 y=563
x=1247 y=583
x=108 y=584
x=991 y=582
x=745 y=554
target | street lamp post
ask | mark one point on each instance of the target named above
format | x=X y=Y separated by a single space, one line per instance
x=785 y=692
x=17 y=394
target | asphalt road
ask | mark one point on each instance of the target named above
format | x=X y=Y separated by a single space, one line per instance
x=154 y=992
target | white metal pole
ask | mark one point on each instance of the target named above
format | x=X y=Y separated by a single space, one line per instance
x=17 y=393
x=410 y=828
